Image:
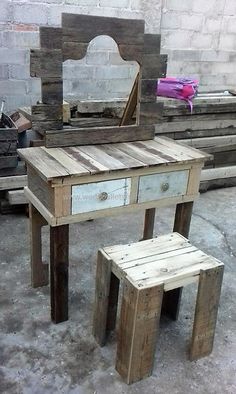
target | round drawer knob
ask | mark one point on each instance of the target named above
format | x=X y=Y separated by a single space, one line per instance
x=103 y=196
x=165 y=187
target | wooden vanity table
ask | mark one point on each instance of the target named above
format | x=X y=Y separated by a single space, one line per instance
x=74 y=184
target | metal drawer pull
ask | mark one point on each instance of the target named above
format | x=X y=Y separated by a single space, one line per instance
x=103 y=196
x=165 y=187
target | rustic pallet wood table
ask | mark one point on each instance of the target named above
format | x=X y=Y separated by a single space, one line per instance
x=74 y=184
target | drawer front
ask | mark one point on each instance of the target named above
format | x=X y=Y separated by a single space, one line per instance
x=100 y=195
x=158 y=186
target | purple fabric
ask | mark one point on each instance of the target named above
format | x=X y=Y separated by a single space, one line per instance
x=178 y=88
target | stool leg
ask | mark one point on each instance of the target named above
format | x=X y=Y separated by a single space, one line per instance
x=149 y=221
x=172 y=298
x=39 y=271
x=208 y=296
x=59 y=251
x=106 y=299
x=138 y=328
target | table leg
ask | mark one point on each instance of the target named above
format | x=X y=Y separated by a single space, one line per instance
x=59 y=252
x=39 y=271
x=172 y=298
x=149 y=223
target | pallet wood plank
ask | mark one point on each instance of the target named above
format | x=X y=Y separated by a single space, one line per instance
x=100 y=135
x=138 y=330
x=50 y=37
x=206 y=312
x=46 y=63
x=52 y=90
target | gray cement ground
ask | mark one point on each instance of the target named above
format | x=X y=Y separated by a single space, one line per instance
x=38 y=357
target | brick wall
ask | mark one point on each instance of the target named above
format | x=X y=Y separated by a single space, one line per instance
x=199 y=37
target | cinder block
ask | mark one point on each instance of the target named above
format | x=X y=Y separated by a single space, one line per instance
x=213 y=7
x=171 y=20
x=5 y=11
x=33 y=86
x=212 y=25
x=191 y=22
x=123 y=86
x=17 y=71
x=230 y=24
x=116 y=59
x=4 y=71
x=188 y=55
x=30 y=13
x=18 y=39
x=215 y=56
x=114 y=3
x=111 y=72
x=227 y=42
x=176 y=5
x=13 y=87
x=202 y=41
x=82 y=2
x=136 y=4
x=230 y=7
x=16 y=56
x=176 y=39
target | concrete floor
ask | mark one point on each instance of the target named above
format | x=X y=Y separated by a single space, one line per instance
x=38 y=357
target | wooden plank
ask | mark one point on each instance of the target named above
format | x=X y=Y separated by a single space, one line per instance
x=52 y=90
x=66 y=111
x=42 y=162
x=26 y=111
x=41 y=127
x=16 y=197
x=77 y=28
x=62 y=201
x=189 y=125
x=131 y=103
x=73 y=166
x=138 y=330
x=218 y=173
x=152 y=43
x=182 y=149
x=46 y=112
x=149 y=221
x=206 y=312
x=50 y=37
x=41 y=189
x=46 y=63
x=134 y=150
x=94 y=122
x=40 y=207
x=217 y=183
x=8 y=147
x=201 y=117
x=148 y=90
x=39 y=270
x=93 y=166
x=8 y=135
x=73 y=50
x=154 y=66
x=59 y=264
x=99 y=135
x=103 y=278
x=9 y=161
x=211 y=108
x=203 y=133
x=13 y=182
x=126 y=159
x=131 y=52
x=150 y=113
x=102 y=157
x=210 y=142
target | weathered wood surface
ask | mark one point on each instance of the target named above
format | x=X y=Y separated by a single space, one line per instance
x=52 y=90
x=8 y=161
x=93 y=122
x=13 y=182
x=50 y=37
x=42 y=112
x=53 y=163
x=100 y=135
x=59 y=263
x=207 y=304
x=16 y=197
x=103 y=277
x=131 y=104
x=137 y=333
x=154 y=66
x=46 y=63
x=39 y=270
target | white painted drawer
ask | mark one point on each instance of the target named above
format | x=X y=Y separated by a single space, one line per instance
x=157 y=186
x=101 y=195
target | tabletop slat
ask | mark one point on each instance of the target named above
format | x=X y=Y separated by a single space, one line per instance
x=90 y=159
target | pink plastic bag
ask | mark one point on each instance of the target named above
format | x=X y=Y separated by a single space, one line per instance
x=178 y=88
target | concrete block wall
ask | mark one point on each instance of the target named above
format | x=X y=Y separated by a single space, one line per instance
x=102 y=74
x=199 y=37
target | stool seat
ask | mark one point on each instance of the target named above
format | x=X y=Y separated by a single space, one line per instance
x=153 y=273
x=168 y=259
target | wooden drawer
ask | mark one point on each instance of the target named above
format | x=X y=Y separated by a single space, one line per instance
x=158 y=186
x=100 y=195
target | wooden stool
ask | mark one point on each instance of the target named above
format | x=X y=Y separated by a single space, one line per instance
x=150 y=268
